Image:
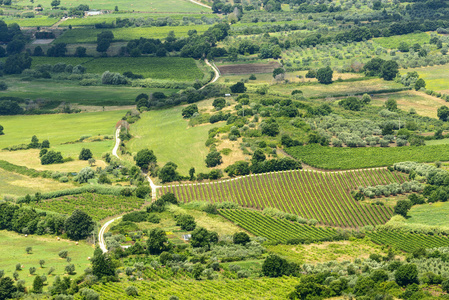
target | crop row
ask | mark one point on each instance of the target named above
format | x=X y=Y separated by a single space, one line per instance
x=408 y=242
x=322 y=196
x=275 y=229
x=336 y=158
x=96 y=205
x=264 y=288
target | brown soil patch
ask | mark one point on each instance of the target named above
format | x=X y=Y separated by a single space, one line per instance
x=248 y=68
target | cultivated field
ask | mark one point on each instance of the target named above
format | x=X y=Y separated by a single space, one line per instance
x=174 y=68
x=408 y=242
x=248 y=68
x=138 y=5
x=275 y=229
x=436 y=77
x=435 y=214
x=335 y=158
x=76 y=36
x=97 y=206
x=312 y=195
x=268 y=288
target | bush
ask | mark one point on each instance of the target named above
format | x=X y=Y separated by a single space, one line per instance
x=52 y=157
x=85 y=154
x=143 y=191
x=136 y=216
x=131 y=291
x=187 y=222
x=153 y=218
x=63 y=254
x=241 y=238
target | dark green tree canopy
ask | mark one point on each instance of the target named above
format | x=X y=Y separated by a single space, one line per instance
x=79 y=225
x=144 y=157
x=85 y=154
x=157 y=241
x=324 y=75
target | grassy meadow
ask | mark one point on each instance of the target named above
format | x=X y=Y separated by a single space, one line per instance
x=16 y=185
x=32 y=22
x=436 y=77
x=47 y=248
x=57 y=128
x=72 y=92
x=171 y=139
x=435 y=214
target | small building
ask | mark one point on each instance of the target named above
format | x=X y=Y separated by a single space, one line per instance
x=93 y=13
x=186 y=237
x=227 y=95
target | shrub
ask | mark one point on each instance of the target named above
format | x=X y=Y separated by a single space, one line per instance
x=406 y=274
x=187 y=222
x=131 y=291
x=51 y=157
x=63 y=254
x=85 y=154
x=153 y=218
x=241 y=238
x=143 y=191
x=135 y=216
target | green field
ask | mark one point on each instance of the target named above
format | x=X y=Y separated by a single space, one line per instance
x=76 y=36
x=32 y=22
x=168 y=135
x=393 y=42
x=47 y=248
x=43 y=60
x=72 y=92
x=355 y=158
x=138 y=5
x=435 y=214
x=57 y=128
x=16 y=185
x=109 y=18
x=175 y=68
x=97 y=206
x=337 y=88
x=264 y=288
x=436 y=77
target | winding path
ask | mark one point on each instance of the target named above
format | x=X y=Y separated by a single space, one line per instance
x=199 y=3
x=216 y=71
x=101 y=234
x=117 y=142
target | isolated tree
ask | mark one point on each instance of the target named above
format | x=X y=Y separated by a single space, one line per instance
x=275 y=266
x=402 y=207
x=219 y=103
x=201 y=237
x=80 y=52
x=213 y=159
x=241 y=238
x=144 y=157
x=278 y=71
x=188 y=111
x=192 y=173
x=104 y=40
x=85 y=154
x=187 y=222
x=168 y=172
x=32 y=270
x=1 y=130
x=85 y=174
x=79 y=225
x=238 y=88
x=29 y=250
x=143 y=191
x=391 y=104
x=157 y=241
x=324 y=75
x=389 y=70
x=55 y=3
x=420 y=83
x=443 y=113
x=38 y=284
x=91 y=161
x=42 y=263
x=34 y=142
x=406 y=274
